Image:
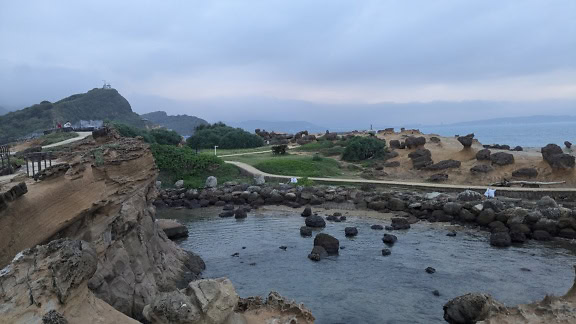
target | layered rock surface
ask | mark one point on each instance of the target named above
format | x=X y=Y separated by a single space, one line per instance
x=105 y=199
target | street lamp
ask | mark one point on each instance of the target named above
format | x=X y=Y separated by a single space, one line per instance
x=215 y=146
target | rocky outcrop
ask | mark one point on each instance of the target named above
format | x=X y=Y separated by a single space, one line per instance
x=421 y=158
x=414 y=142
x=472 y=308
x=483 y=155
x=275 y=309
x=50 y=282
x=443 y=165
x=105 y=199
x=207 y=301
x=502 y=158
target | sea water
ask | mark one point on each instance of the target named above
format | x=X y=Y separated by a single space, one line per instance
x=362 y=286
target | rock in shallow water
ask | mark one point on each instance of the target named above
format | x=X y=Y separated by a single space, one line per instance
x=305 y=231
x=318 y=253
x=328 y=242
x=172 y=228
x=315 y=221
x=377 y=227
x=307 y=212
x=386 y=252
x=500 y=239
x=389 y=239
x=469 y=308
x=350 y=231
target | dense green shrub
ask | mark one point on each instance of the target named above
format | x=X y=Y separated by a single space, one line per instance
x=166 y=137
x=363 y=148
x=183 y=160
x=279 y=149
x=129 y=131
x=223 y=136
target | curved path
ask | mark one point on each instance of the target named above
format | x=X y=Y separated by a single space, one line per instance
x=516 y=192
x=81 y=136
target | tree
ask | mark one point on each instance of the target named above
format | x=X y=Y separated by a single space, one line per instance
x=166 y=137
x=363 y=148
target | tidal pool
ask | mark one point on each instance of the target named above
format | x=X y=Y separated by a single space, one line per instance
x=362 y=286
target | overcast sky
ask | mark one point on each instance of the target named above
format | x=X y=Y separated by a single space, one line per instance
x=182 y=55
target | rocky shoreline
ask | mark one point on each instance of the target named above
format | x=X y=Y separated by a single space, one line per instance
x=508 y=220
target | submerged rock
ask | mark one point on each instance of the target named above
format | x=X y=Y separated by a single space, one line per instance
x=377 y=227
x=386 y=252
x=500 y=239
x=305 y=231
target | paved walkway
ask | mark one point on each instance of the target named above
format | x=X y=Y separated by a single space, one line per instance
x=409 y=185
x=82 y=135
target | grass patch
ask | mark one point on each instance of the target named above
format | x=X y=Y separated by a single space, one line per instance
x=224 y=173
x=56 y=138
x=220 y=152
x=292 y=165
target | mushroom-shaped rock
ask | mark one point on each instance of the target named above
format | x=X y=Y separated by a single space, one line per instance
x=467 y=140
x=502 y=158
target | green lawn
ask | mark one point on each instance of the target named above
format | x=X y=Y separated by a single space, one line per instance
x=56 y=138
x=326 y=148
x=291 y=165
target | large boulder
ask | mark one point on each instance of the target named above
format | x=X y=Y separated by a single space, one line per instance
x=211 y=182
x=470 y=195
x=328 y=242
x=315 y=221
x=443 y=165
x=481 y=168
x=525 y=173
x=438 y=177
x=414 y=142
x=500 y=239
x=556 y=158
x=396 y=204
x=467 y=140
x=208 y=301
x=395 y=144
x=502 y=158
x=421 y=158
x=470 y=308
x=307 y=211
x=486 y=217
x=568 y=144
x=452 y=208
x=483 y=155
x=172 y=228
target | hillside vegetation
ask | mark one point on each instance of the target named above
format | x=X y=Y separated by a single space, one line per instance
x=96 y=104
x=182 y=124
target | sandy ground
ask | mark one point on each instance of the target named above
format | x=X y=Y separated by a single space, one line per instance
x=450 y=148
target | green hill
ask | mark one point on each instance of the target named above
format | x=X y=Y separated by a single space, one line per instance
x=182 y=124
x=96 y=104
x=3 y=111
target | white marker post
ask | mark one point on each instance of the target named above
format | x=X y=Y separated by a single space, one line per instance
x=215 y=146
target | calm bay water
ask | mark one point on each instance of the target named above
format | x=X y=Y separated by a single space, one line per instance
x=526 y=135
x=360 y=285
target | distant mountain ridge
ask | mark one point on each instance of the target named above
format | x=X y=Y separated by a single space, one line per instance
x=278 y=126
x=519 y=120
x=96 y=104
x=182 y=124
x=3 y=111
